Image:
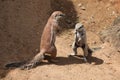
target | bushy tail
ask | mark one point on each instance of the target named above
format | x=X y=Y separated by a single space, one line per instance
x=14 y=64
x=34 y=62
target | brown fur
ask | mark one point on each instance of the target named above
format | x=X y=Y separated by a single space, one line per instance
x=48 y=39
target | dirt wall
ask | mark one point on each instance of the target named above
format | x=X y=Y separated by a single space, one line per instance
x=21 y=25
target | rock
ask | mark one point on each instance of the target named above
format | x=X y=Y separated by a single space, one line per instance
x=83 y=8
x=80 y=5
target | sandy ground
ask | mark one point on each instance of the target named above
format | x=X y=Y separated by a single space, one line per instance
x=105 y=63
x=96 y=15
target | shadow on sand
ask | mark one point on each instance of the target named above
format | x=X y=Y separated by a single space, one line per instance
x=78 y=60
x=72 y=60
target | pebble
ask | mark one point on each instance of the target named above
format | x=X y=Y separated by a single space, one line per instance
x=83 y=8
x=80 y=5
